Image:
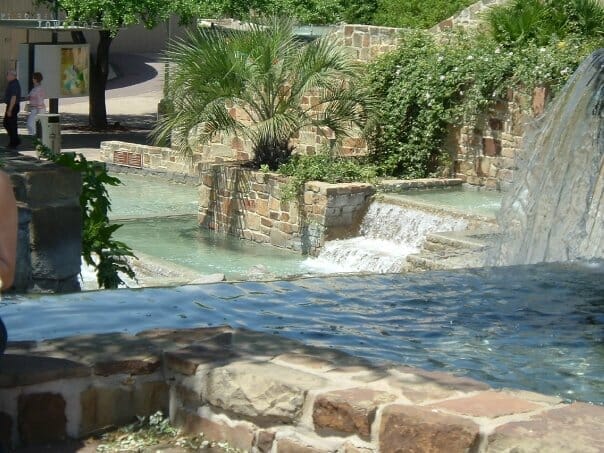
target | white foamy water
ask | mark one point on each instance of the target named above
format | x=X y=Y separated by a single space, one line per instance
x=388 y=234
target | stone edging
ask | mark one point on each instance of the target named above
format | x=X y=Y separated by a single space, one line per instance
x=265 y=393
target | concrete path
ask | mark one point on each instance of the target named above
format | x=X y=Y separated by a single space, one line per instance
x=132 y=96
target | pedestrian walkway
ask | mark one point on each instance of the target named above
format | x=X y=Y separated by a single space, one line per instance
x=131 y=97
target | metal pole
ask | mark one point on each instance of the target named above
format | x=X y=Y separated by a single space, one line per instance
x=53 y=103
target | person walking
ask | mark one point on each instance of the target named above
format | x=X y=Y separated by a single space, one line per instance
x=12 y=96
x=36 y=102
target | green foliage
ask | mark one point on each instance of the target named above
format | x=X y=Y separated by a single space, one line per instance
x=266 y=72
x=97 y=231
x=540 y=21
x=416 y=13
x=116 y=14
x=324 y=166
x=427 y=87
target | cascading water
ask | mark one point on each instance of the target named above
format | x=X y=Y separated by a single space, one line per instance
x=555 y=211
x=388 y=234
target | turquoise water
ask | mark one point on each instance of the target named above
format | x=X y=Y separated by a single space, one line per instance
x=480 y=202
x=179 y=240
x=159 y=219
x=147 y=196
x=538 y=328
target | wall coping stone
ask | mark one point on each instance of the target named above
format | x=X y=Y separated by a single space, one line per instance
x=243 y=387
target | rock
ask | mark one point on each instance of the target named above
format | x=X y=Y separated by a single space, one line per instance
x=42 y=418
x=488 y=404
x=414 y=429
x=261 y=390
x=576 y=428
x=349 y=411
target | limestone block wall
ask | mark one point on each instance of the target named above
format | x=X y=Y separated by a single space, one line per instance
x=484 y=154
x=265 y=393
x=50 y=224
x=470 y=17
x=250 y=204
x=366 y=42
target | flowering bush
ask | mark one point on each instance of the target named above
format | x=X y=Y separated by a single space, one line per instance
x=426 y=86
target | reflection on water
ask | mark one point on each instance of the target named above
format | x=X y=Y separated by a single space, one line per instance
x=538 y=328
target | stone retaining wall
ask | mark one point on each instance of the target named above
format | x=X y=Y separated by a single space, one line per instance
x=251 y=205
x=470 y=17
x=263 y=393
x=50 y=224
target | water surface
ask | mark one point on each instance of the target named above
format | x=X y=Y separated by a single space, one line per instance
x=538 y=327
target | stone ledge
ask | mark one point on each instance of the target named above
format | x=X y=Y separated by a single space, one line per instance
x=266 y=393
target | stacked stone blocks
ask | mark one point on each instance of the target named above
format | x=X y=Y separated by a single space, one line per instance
x=265 y=393
x=251 y=205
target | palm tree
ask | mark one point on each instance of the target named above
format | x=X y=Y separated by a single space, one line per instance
x=264 y=71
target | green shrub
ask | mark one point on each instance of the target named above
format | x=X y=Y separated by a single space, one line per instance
x=425 y=87
x=540 y=21
x=417 y=13
x=326 y=167
x=99 y=249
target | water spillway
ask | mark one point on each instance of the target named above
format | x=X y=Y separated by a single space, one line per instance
x=555 y=210
x=388 y=234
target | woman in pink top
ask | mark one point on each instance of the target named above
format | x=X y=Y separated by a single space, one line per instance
x=36 y=102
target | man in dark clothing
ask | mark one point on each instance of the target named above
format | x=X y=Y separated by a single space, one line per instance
x=12 y=95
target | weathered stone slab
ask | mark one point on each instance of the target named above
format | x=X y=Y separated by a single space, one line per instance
x=414 y=429
x=419 y=385
x=292 y=445
x=41 y=418
x=349 y=447
x=259 y=390
x=166 y=339
x=263 y=441
x=576 y=428
x=488 y=404
x=187 y=359
x=18 y=370
x=237 y=435
x=110 y=353
x=350 y=410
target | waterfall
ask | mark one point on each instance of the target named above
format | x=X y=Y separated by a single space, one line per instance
x=554 y=211
x=388 y=234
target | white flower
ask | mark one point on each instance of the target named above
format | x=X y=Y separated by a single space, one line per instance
x=461 y=93
x=470 y=57
x=442 y=77
x=440 y=58
x=427 y=95
x=498 y=50
x=541 y=49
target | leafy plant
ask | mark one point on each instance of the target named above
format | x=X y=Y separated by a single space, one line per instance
x=425 y=87
x=99 y=249
x=266 y=72
x=323 y=166
x=540 y=21
x=418 y=14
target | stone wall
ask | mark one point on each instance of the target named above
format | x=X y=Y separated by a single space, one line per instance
x=264 y=393
x=484 y=154
x=50 y=224
x=250 y=204
x=470 y=17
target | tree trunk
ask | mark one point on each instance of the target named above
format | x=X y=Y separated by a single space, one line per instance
x=98 y=82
